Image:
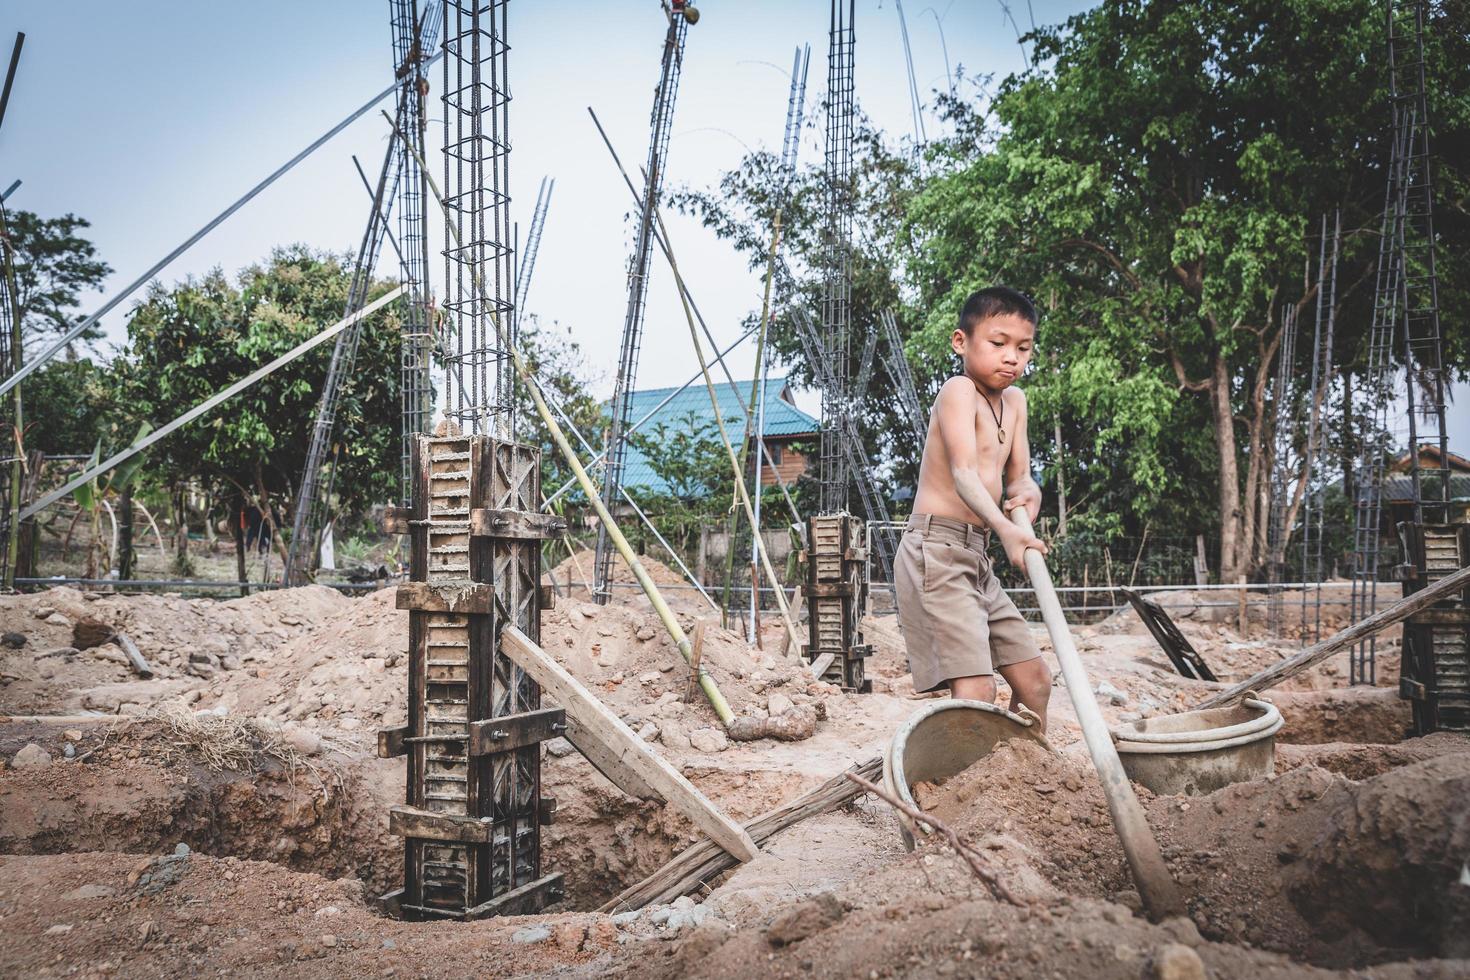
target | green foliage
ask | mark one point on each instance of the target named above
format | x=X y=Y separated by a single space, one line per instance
x=691 y=460
x=1155 y=187
x=1155 y=183
x=54 y=265
x=68 y=407
x=188 y=342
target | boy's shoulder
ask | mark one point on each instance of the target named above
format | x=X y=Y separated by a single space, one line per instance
x=958 y=386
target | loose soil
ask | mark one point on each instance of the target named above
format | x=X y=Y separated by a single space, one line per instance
x=253 y=746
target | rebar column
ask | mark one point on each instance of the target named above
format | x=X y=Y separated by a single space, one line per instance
x=1405 y=311
x=412 y=30
x=471 y=824
x=836 y=257
x=660 y=126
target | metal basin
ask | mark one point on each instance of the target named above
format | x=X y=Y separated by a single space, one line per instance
x=1198 y=752
x=945 y=738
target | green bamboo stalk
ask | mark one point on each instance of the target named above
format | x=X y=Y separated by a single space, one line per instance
x=725 y=437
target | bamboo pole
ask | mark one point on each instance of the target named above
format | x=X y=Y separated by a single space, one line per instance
x=1159 y=892
x=533 y=388
x=725 y=438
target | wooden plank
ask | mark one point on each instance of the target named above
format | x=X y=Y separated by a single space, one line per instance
x=702 y=860
x=598 y=723
x=1354 y=634
x=509 y=732
x=608 y=762
x=828 y=590
x=465 y=597
x=491 y=523
x=408 y=821
x=135 y=656
x=390 y=742
x=528 y=899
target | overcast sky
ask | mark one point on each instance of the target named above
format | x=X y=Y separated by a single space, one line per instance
x=148 y=118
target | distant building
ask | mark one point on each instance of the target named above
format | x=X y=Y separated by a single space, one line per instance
x=1398 y=487
x=784 y=425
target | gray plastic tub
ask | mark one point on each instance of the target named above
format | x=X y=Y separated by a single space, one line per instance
x=1198 y=752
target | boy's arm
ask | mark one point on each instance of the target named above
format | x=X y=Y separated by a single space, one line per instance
x=956 y=410
x=1020 y=486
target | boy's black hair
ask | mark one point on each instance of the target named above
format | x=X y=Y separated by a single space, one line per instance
x=995 y=301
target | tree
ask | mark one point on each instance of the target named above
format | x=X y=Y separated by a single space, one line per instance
x=690 y=460
x=1154 y=184
x=188 y=342
x=54 y=265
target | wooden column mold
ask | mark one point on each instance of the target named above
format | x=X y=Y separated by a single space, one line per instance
x=471 y=826
x=1435 y=669
x=837 y=595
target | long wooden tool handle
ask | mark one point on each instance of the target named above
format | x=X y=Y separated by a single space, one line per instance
x=1157 y=889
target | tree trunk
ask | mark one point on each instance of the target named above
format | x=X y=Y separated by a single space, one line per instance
x=181 y=531
x=125 y=557
x=1349 y=442
x=1061 y=482
x=1224 y=422
x=237 y=518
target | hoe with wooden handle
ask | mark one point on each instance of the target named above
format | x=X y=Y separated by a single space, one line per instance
x=1160 y=894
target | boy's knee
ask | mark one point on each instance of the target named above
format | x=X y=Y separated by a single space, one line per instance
x=1034 y=682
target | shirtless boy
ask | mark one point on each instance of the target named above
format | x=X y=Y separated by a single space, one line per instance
x=958 y=625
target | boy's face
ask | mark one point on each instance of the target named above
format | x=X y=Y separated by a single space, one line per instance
x=997 y=350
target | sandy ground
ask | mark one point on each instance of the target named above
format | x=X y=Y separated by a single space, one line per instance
x=228 y=814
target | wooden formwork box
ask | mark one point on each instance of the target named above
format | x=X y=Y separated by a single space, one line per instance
x=836 y=597
x=471 y=826
x=1434 y=672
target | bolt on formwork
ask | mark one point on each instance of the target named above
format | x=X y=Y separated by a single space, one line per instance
x=472 y=821
x=661 y=123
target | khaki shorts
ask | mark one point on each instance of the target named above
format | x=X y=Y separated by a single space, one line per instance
x=956 y=619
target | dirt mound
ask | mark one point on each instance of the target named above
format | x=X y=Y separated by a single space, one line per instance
x=350 y=673
x=191 y=914
x=1374 y=715
x=576 y=570
x=222 y=787
x=1359 y=762
x=185 y=641
x=1388 y=863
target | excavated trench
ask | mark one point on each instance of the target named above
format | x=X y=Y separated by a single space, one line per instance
x=140 y=790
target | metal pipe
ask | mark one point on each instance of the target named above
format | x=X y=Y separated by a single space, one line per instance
x=86 y=324
x=140 y=583
x=1159 y=892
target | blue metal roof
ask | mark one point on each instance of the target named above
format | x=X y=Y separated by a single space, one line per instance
x=781 y=419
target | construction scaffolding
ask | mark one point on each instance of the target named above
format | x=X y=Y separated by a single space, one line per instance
x=471 y=824
x=660 y=126
x=1406 y=312
x=312 y=517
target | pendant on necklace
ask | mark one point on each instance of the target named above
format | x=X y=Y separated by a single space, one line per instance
x=1000 y=435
